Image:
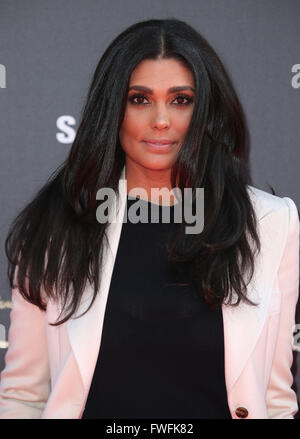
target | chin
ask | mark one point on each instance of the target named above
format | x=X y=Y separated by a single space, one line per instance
x=157 y=165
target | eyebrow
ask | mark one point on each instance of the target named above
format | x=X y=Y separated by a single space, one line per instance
x=170 y=90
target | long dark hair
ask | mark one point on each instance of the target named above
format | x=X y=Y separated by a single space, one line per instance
x=55 y=244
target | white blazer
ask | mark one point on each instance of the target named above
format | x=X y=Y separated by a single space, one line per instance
x=48 y=370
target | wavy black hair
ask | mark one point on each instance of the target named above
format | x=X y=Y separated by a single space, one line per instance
x=55 y=244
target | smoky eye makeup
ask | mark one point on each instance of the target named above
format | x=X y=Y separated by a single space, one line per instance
x=184 y=99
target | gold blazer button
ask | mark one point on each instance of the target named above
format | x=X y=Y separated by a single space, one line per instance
x=241 y=412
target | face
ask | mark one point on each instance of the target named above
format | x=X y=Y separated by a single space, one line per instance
x=154 y=112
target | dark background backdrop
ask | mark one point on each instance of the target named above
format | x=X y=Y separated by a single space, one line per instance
x=48 y=53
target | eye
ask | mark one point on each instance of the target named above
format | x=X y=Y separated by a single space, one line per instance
x=180 y=97
x=137 y=96
x=188 y=99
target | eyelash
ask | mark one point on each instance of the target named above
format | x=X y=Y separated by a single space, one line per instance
x=188 y=98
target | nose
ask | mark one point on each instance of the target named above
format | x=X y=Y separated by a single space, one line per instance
x=161 y=125
x=161 y=119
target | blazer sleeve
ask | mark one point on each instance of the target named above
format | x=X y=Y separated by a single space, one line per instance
x=25 y=379
x=280 y=397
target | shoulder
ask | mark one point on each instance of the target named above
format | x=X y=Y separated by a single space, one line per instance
x=278 y=222
x=265 y=204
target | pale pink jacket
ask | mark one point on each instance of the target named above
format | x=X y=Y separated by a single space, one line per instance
x=49 y=369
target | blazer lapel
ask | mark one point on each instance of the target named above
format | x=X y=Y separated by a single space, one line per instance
x=85 y=332
x=242 y=324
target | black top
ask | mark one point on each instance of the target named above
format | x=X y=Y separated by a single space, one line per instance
x=162 y=348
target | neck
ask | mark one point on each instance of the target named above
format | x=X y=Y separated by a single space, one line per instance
x=149 y=179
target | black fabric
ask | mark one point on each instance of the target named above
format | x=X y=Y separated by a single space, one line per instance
x=162 y=348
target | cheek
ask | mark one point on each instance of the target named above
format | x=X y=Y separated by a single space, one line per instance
x=181 y=122
x=133 y=125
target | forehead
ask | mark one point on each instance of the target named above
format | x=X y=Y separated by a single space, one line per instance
x=162 y=73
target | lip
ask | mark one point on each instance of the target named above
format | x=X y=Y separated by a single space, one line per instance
x=163 y=146
x=159 y=141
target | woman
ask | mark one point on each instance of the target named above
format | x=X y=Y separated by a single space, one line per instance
x=196 y=325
